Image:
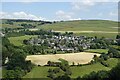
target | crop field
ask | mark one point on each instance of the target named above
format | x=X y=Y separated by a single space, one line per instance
x=18 y=41
x=42 y=72
x=81 y=58
x=88 y=31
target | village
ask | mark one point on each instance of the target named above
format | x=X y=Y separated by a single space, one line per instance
x=67 y=42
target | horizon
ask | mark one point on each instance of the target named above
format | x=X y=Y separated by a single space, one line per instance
x=60 y=11
x=65 y=20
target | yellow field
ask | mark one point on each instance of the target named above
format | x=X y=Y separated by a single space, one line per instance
x=81 y=58
x=89 y=31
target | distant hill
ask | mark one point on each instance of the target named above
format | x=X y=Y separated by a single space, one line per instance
x=82 y=25
x=76 y=25
x=16 y=23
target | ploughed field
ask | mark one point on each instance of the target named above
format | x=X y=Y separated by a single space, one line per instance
x=81 y=58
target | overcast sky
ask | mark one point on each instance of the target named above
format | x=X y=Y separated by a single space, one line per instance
x=87 y=9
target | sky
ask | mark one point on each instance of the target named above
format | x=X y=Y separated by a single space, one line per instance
x=84 y=10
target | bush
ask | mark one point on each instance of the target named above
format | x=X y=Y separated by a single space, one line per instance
x=56 y=70
x=64 y=77
x=105 y=64
x=104 y=56
x=115 y=72
x=115 y=53
x=68 y=72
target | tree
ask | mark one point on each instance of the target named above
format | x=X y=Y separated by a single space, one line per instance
x=5 y=54
x=51 y=75
x=115 y=72
x=18 y=72
x=49 y=63
x=102 y=75
x=73 y=63
x=25 y=41
x=78 y=78
x=114 y=52
x=64 y=77
x=50 y=70
x=93 y=46
x=105 y=63
x=56 y=70
x=104 y=56
x=118 y=37
x=17 y=59
x=9 y=74
x=96 y=58
x=80 y=48
x=68 y=72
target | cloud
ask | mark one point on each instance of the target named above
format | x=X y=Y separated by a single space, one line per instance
x=4 y=15
x=61 y=15
x=113 y=14
x=83 y=4
x=76 y=19
x=19 y=15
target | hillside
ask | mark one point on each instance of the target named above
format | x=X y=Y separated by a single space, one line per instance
x=82 y=25
x=98 y=28
x=76 y=25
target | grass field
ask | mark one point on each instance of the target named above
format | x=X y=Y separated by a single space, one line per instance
x=99 y=35
x=99 y=28
x=81 y=58
x=97 y=50
x=76 y=71
x=10 y=26
x=103 y=28
x=38 y=72
x=82 y=25
x=18 y=41
x=41 y=72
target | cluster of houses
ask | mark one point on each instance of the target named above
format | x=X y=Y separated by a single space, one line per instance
x=63 y=43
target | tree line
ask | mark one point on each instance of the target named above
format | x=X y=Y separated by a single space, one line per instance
x=13 y=60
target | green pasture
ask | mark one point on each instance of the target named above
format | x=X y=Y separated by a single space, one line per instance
x=41 y=72
x=18 y=41
x=81 y=71
x=97 y=51
x=82 y=25
x=99 y=35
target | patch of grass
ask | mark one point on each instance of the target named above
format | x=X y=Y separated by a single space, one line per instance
x=99 y=35
x=97 y=51
x=38 y=72
x=10 y=26
x=81 y=71
x=112 y=62
x=41 y=72
x=3 y=70
x=18 y=41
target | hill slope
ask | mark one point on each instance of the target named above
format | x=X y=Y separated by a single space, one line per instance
x=82 y=25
